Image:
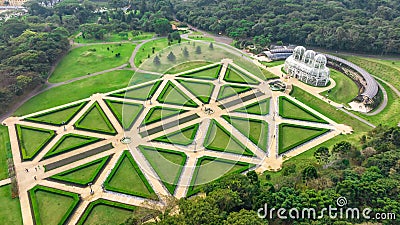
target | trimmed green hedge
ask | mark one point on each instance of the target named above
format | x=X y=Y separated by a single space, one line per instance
x=243 y=76
x=171 y=187
x=139 y=172
x=246 y=109
x=70 y=117
x=146 y=120
x=189 y=103
x=92 y=205
x=283 y=150
x=120 y=117
x=23 y=151
x=90 y=140
x=233 y=94
x=165 y=138
x=151 y=92
x=192 y=190
x=35 y=207
x=60 y=177
x=247 y=151
x=103 y=115
x=192 y=74
x=281 y=110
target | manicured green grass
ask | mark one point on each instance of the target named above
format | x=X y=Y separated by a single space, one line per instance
x=257 y=108
x=273 y=63
x=187 y=66
x=255 y=130
x=344 y=91
x=126 y=177
x=52 y=206
x=5 y=152
x=209 y=169
x=202 y=90
x=142 y=93
x=70 y=142
x=219 y=139
x=32 y=140
x=184 y=136
x=58 y=117
x=167 y=164
x=209 y=73
x=82 y=89
x=116 y=38
x=89 y=59
x=158 y=113
x=227 y=91
x=328 y=110
x=84 y=174
x=147 y=49
x=126 y=113
x=95 y=120
x=291 y=136
x=266 y=75
x=234 y=76
x=104 y=212
x=10 y=211
x=173 y=95
x=291 y=110
x=383 y=69
x=201 y=38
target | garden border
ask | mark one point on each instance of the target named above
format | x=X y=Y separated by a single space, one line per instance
x=40 y=148
x=189 y=103
x=232 y=68
x=190 y=74
x=198 y=97
x=122 y=94
x=145 y=122
x=103 y=115
x=318 y=119
x=268 y=100
x=195 y=126
x=120 y=120
x=219 y=98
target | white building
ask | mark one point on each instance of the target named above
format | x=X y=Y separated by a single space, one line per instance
x=308 y=66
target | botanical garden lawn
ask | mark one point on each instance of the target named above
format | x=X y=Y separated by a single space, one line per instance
x=187 y=66
x=291 y=110
x=210 y=73
x=82 y=89
x=328 y=110
x=233 y=75
x=105 y=215
x=273 y=63
x=258 y=108
x=4 y=142
x=32 y=140
x=344 y=91
x=158 y=113
x=202 y=90
x=10 y=211
x=116 y=38
x=201 y=38
x=227 y=91
x=175 y=96
x=58 y=117
x=147 y=49
x=89 y=59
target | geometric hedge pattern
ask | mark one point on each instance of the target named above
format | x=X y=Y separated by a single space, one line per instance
x=176 y=142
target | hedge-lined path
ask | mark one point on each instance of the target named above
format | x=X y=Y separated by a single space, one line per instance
x=265 y=160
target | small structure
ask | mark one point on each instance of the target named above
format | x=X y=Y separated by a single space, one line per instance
x=126 y=140
x=209 y=111
x=308 y=66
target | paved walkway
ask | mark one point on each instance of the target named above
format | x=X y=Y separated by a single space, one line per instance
x=5 y=182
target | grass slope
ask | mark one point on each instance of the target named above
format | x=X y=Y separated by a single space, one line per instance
x=344 y=91
x=89 y=59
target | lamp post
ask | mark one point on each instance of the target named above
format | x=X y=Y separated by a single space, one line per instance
x=195 y=146
x=63 y=123
x=91 y=190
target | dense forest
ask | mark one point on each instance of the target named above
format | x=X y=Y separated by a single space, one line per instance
x=366 y=26
x=367 y=175
x=31 y=44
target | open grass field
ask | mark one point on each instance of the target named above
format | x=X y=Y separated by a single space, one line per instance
x=167 y=164
x=10 y=211
x=89 y=59
x=4 y=152
x=113 y=37
x=257 y=108
x=387 y=70
x=328 y=110
x=82 y=89
x=344 y=91
x=187 y=66
x=147 y=49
